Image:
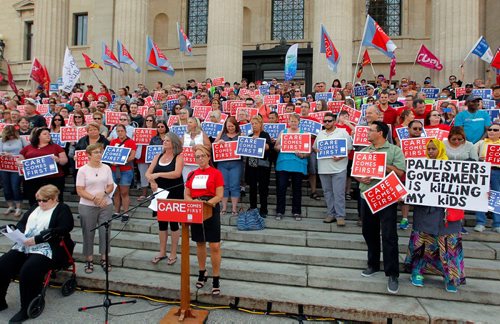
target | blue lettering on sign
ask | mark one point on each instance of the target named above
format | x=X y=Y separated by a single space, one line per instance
x=483 y=93
x=152 y=151
x=360 y=91
x=246 y=129
x=274 y=130
x=332 y=147
x=211 y=129
x=326 y=96
x=179 y=130
x=56 y=139
x=39 y=167
x=494 y=202
x=252 y=147
x=116 y=155
x=430 y=93
x=310 y=126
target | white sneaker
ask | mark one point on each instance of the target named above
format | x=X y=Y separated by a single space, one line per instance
x=9 y=210
x=479 y=228
x=497 y=229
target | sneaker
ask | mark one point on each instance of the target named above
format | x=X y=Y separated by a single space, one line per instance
x=125 y=218
x=464 y=231
x=279 y=217
x=329 y=219
x=9 y=210
x=404 y=224
x=393 y=285
x=479 y=228
x=417 y=280
x=341 y=221
x=496 y=229
x=369 y=272
x=450 y=287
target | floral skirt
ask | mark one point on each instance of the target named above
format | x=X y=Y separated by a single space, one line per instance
x=442 y=255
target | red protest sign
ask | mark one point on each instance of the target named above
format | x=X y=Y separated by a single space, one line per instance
x=297 y=142
x=335 y=106
x=459 y=92
x=81 y=132
x=172 y=97
x=48 y=119
x=414 y=147
x=148 y=101
x=21 y=109
x=233 y=105
x=156 y=95
x=271 y=99
x=354 y=115
x=335 y=90
x=2 y=126
x=188 y=154
x=440 y=102
x=159 y=113
x=319 y=115
x=42 y=109
x=250 y=111
x=493 y=154
x=245 y=93
x=361 y=136
x=89 y=119
x=69 y=134
x=93 y=104
x=440 y=134
x=113 y=117
x=201 y=112
x=172 y=119
x=142 y=136
x=142 y=110
x=225 y=151
x=369 y=164
x=218 y=82
x=188 y=94
x=385 y=193
x=78 y=95
x=8 y=163
x=81 y=158
x=196 y=102
x=283 y=118
x=180 y=211
x=44 y=100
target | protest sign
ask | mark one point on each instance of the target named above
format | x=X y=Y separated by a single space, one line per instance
x=21 y=109
x=211 y=129
x=148 y=101
x=274 y=130
x=156 y=95
x=188 y=155
x=2 y=126
x=334 y=90
x=251 y=147
x=310 y=126
x=326 y=96
x=225 y=151
x=483 y=93
x=264 y=89
x=493 y=154
x=335 y=106
x=196 y=102
x=233 y=105
x=42 y=109
x=8 y=162
x=113 y=117
x=414 y=147
x=81 y=158
x=296 y=142
x=447 y=183
x=142 y=110
x=142 y=136
x=89 y=119
x=201 y=111
x=459 y=92
x=152 y=151
x=250 y=111
x=369 y=164
x=280 y=108
x=494 y=202
x=172 y=119
x=179 y=130
x=440 y=134
x=56 y=139
x=354 y=114
x=171 y=103
x=360 y=91
x=48 y=119
x=319 y=115
x=271 y=99
x=245 y=93
x=81 y=131
x=246 y=129
x=334 y=147
x=439 y=103
x=116 y=155
x=402 y=133
x=294 y=100
x=494 y=113
x=218 y=82
x=360 y=137
x=69 y=134
x=385 y=193
x=78 y=95
x=431 y=93
x=489 y=104
x=39 y=167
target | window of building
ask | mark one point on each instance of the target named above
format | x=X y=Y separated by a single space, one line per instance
x=288 y=19
x=198 y=21
x=81 y=26
x=28 y=40
x=387 y=13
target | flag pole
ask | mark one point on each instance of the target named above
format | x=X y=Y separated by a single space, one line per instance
x=359 y=52
x=180 y=52
x=415 y=61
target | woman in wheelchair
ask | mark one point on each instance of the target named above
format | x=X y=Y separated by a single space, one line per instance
x=44 y=225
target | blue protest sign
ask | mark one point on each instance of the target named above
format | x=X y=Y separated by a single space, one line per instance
x=116 y=155
x=494 y=202
x=430 y=93
x=152 y=151
x=39 y=167
x=493 y=113
x=54 y=87
x=274 y=130
x=310 y=126
x=403 y=132
x=360 y=91
x=179 y=130
x=489 y=104
x=329 y=148
x=294 y=100
x=171 y=104
x=252 y=147
x=246 y=129
x=56 y=139
x=211 y=129
x=264 y=89
x=326 y=96
x=483 y=93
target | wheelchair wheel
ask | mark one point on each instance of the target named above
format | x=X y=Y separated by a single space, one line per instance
x=36 y=306
x=68 y=287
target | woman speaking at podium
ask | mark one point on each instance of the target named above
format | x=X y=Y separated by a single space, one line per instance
x=206 y=183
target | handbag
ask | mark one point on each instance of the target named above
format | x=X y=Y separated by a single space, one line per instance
x=250 y=221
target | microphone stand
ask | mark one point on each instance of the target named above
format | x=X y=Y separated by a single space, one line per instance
x=107 y=301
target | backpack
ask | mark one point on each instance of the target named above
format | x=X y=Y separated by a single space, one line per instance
x=250 y=221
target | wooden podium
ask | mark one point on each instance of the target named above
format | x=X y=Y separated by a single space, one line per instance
x=185 y=212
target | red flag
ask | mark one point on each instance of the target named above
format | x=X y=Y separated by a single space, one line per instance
x=1 y=77
x=37 y=73
x=427 y=59
x=392 y=71
x=10 y=79
x=496 y=60
x=366 y=61
x=46 y=79
x=90 y=63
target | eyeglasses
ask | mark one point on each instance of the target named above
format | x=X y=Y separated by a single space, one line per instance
x=392 y=94
x=493 y=130
x=456 y=139
x=58 y=119
x=297 y=90
x=183 y=113
x=328 y=121
x=97 y=152
x=199 y=156
x=149 y=120
x=101 y=106
x=417 y=128
x=42 y=200
x=160 y=126
x=97 y=118
x=77 y=117
x=123 y=119
x=435 y=115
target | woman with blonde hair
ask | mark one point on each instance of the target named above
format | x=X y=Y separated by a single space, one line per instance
x=192 y=138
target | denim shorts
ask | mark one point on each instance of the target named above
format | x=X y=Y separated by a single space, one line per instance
x=125 y=177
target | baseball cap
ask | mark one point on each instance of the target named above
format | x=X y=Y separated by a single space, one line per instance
x=473 y=97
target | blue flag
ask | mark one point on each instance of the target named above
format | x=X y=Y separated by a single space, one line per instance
x=291 y=62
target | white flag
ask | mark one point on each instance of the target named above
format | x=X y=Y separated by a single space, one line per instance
x=70 y=72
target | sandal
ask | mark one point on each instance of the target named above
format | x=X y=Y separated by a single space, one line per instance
x=314 y=196
x=202 y=279
x=223 y=212
x=105 y=265
x=235 y=213
x=215 y=286
x=171 y=261
x=158 y=258
x=89 y=267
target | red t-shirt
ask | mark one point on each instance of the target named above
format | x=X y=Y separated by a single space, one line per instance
x=205 y=181
x=422 y=116
x=30 y=152
x=105 y=94
x=128 y=143
x=440 y=126
x=390 y=115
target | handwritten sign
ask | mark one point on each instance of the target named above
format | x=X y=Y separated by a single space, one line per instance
x=251 y=147
x=116 y=155
x=297 y=142
x=274 y=130
x=81 y=158
x=361 y=136
x=385 y=193
x=211 y=129
x=142 y=136
x=493 y=154
x=39 y=167
x=225 y=151
x=334 y=147
x=414 y=147
x=188 y=154
x=369 y=164
x=152 y=151
x=310 y=126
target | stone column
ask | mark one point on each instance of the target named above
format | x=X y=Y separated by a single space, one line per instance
x=131 y=20
x=337 y=17
x=225 y=38
x=453 y=38
x=51 y=25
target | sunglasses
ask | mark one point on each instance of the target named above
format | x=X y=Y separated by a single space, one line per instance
x=435 y=115
x=149 y=120
x=328 y=121
x=58 y=120
x=42 y=200
x=123 y=119
x=493 y=130
x=97 y=118
x=417 y=128
x=77 y=117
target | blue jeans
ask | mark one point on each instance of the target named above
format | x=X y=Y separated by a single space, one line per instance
x=494 y=185
x=11 y=186
x=231 y=171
